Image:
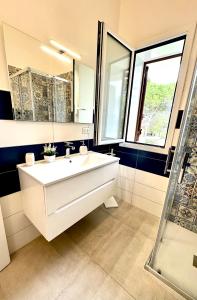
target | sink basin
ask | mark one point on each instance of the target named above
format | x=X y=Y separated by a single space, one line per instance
x=61 y=168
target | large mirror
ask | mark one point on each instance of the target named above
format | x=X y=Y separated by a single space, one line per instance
x=48 y=82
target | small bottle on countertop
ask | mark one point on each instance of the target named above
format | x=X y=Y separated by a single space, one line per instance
x=29 y=159
x=83 y=149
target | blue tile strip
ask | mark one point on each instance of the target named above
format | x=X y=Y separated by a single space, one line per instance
x=11 y=156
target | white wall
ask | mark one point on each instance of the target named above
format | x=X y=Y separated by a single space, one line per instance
x=24 y=51
x=73 y=23
x=142 y=20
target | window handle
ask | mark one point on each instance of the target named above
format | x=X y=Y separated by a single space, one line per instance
x=168 y=160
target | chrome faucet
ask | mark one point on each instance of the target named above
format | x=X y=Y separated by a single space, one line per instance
x=69 y=145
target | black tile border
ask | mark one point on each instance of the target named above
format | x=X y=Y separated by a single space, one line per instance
x=142 y=160
x=9 y=183
x=6 y=112
x=11 y=156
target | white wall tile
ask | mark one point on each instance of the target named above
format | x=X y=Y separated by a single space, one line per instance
x=119 y=182
x=127 y=171
x=22 y=238
x=11 y=204
x=126 y=184
x=147 y=205
x=4 y=253
x=149 y=193
x=152 y=180
x=15 y=223
x=118 y=192
x=125 y=195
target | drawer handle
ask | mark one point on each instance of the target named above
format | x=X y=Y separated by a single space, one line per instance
x=83 y=196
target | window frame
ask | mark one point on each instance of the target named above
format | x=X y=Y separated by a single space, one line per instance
x=103 y=32
x=143 y=94
x=146 y=48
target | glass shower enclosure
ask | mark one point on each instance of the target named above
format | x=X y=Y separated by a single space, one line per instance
x=174 y=257
x=40 y=97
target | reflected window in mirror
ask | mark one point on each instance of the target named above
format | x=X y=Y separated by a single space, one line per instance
x=84 y=89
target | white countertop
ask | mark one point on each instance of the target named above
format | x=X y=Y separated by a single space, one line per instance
x=64 y=168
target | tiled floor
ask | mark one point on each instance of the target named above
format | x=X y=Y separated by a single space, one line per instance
x=100 y=258
x=177 y=266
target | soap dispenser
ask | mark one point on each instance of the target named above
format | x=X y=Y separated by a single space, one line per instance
x=83 y=149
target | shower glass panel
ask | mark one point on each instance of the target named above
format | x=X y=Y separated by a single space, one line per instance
x=174 y=257
x=41 y=97
x=62 y=95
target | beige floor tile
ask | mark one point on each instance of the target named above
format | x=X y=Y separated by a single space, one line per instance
x=120 y=211
x=111 y=290
x=101 y=257
x=123 y=245
x=86 y=283
x=2 y=294
x=136 y=218
x=141 y=221
x=38 y=271
x=123 y=256
x=93 y=230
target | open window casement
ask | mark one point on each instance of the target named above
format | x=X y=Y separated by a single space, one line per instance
x=113 y=76
x=115 y=108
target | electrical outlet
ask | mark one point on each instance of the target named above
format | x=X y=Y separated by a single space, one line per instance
x=85 y=130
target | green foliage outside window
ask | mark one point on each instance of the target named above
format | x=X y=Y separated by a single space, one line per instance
x=157 y=108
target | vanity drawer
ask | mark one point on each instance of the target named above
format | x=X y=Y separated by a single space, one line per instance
x=68 y=215
x=61 y=193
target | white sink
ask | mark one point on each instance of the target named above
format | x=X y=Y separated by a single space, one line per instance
x=62 y=168
x=56 y=195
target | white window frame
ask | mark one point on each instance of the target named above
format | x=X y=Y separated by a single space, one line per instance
x=98 y=130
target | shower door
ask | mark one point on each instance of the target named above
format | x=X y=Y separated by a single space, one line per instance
x=174 y=257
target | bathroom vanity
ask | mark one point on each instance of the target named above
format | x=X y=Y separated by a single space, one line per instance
x=57 y=195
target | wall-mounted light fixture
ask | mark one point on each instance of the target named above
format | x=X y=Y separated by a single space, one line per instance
x=55 y=54
x=63 y=49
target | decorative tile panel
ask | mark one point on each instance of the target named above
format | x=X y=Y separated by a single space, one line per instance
x=184 y=207
x=37 y=97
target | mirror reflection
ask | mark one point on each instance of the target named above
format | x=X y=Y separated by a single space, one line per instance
x=84 y=93
x=42 y=81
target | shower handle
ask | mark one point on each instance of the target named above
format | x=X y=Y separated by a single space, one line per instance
x=184 y=166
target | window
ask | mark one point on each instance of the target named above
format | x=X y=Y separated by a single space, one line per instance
x=112 y=82
x=155 y=75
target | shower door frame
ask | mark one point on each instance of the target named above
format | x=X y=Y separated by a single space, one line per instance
x=169 y=197
x=187 y=98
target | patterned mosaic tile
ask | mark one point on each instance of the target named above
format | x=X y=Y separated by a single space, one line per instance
x=184 y=207
x=36 y=97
